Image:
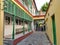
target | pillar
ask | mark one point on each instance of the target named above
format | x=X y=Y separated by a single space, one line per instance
x=32 y=25
x=1 y=21
x=23 y=28
x=29 y=26
x=13 y=32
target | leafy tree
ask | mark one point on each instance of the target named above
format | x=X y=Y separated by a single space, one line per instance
x=44 y=7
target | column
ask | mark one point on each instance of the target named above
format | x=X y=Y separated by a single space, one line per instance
x=13 y=32
x=32 y=25
x=29 y=26
x=23 y=28
x=1 y=21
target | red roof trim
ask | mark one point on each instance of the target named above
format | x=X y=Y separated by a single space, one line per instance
x=40 y=16
x=27 y=10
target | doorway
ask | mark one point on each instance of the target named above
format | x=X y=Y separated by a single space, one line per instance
x=54 y=29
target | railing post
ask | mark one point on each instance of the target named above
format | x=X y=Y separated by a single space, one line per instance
x=29 y=26
x=13 y=33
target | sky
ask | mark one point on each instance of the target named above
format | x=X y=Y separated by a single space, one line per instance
x=40 y=3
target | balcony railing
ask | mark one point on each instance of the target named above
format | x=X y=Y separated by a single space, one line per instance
x=23 y=3
x=12 y=8
x=27 y=7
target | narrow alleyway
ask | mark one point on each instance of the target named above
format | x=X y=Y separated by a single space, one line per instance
x=29 y=22
x=37 y=38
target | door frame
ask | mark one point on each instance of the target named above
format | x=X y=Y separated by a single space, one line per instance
x=54 y=29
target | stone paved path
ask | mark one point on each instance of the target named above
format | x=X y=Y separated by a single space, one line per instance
x=37 y=38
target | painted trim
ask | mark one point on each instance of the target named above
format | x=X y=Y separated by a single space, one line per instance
x=21 y=38
x=39 y=16
x=54 y=29
x=13 y=35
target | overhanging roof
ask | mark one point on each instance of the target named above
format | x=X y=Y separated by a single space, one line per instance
x=23 y=8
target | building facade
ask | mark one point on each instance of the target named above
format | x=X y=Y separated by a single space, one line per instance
x=14 y=20
x=52 y=22
x=1 y=22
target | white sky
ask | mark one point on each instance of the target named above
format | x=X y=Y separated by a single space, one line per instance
x=40 y=3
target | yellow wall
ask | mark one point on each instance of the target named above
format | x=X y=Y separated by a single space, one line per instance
x=58 y=21
x=1 y=23
x=53 y=9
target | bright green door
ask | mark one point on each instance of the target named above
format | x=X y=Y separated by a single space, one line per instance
x=54 y=29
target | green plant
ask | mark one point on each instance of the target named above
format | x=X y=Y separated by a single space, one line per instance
x=44 y=7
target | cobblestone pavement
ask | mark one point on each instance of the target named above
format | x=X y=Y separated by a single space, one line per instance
x=37 y=38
